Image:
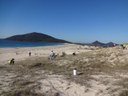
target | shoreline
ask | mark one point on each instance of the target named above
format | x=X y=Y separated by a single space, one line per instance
x=1 y=47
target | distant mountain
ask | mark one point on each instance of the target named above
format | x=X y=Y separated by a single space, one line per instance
x=35 y=37
x=97 y=43
x=110 y=44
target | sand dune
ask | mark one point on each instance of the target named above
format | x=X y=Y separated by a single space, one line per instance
x=103 y=71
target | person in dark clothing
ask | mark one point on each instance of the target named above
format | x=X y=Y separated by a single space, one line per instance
x=74 y=54
x=29 y=53
x=12 y=61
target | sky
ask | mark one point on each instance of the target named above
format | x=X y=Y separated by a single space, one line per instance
x=82 y=21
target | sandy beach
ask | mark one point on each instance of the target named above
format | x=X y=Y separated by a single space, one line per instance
x=7 y=54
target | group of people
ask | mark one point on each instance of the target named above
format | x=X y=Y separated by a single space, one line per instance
x=12 y=61
x=52 y=56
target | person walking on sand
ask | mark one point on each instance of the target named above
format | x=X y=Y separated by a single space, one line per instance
x=29 y=53
x=52 y=55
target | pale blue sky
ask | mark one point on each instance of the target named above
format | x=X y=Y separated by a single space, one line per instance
x=72 y=20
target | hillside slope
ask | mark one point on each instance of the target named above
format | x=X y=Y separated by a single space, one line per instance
x=35 y=37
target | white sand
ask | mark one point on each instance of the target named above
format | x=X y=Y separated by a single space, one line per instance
x=100 y=85
x=22 y=53
x=57 y=83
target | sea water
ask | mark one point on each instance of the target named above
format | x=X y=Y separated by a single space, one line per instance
x=13 y=44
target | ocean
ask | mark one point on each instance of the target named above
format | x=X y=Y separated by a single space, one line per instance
x=14 y=44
